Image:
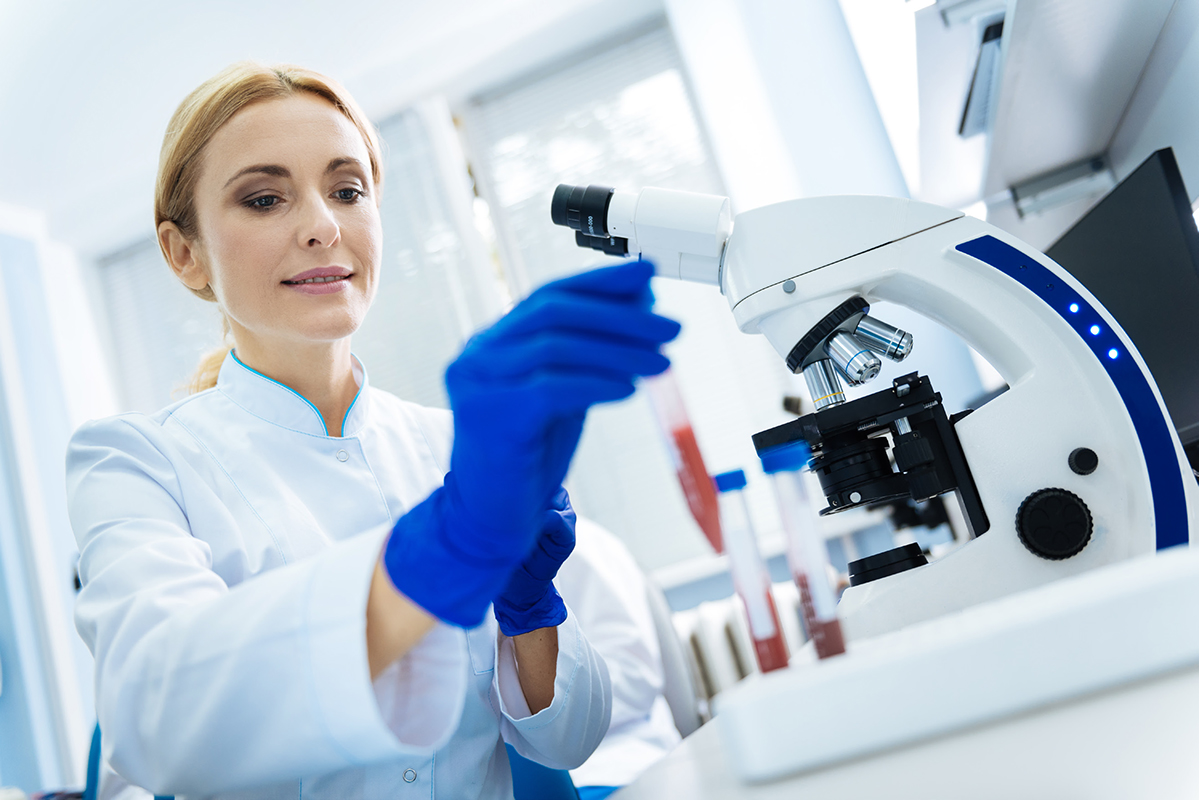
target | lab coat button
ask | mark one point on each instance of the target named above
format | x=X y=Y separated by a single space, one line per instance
x=342 y=455
x=409 y=775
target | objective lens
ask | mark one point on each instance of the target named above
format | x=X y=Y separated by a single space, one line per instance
x=883 y=338
x=823 y=384
x=583 y=208
x=855 y=361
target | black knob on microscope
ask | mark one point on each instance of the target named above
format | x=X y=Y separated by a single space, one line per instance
x=1054 y=523
x=1083 y=461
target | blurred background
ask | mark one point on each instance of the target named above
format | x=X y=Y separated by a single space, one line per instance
x=484 y=106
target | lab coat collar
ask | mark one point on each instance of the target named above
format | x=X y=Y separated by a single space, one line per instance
x=270 y=400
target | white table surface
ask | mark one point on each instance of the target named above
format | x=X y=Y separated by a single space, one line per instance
x=1140 y=741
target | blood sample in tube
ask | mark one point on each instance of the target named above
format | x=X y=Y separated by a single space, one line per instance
x=688 y=462
x=806 y=552
x=750 y=577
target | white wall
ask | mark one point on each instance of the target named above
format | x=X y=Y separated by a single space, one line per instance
x=1164 y=111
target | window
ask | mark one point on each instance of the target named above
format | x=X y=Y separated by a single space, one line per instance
x=157 y=329
x=437 y=285
x=623 y=117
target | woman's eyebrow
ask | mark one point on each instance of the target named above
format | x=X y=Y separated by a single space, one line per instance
x=262 y=169
x=338 y=163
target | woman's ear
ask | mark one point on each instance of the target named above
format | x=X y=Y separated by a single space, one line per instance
x=182 y=256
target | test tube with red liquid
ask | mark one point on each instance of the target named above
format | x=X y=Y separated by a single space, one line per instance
x=750 y=577
x=806 y=552
x=668 y=406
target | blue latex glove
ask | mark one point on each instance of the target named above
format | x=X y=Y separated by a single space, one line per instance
x=530 y=601
x=519 y=392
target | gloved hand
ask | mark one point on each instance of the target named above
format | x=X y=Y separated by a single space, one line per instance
x=530 y=601
x=519 y=392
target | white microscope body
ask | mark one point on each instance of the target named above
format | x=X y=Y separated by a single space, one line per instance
x=1076 y=382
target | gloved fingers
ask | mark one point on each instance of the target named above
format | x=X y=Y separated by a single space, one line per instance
x=559 y=441
x=561 y=502
x=627 y=279
x=565 y=350
x=522 y=407
x=557 y=536
x=559 y=392
x=554 y=545
x=561 y=312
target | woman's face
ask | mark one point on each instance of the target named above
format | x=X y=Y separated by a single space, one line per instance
x=285 y=196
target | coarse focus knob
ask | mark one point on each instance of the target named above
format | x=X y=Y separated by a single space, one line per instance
x=1054 y=523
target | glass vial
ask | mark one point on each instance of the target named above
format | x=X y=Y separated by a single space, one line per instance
x=750 y=577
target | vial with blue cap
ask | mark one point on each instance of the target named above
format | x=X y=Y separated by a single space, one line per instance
x=807 y=555
x=750 y=576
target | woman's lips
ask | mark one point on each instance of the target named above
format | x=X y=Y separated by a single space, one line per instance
x=322 y=280
x=321 y=285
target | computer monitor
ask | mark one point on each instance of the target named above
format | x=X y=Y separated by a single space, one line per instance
x=1138 y=253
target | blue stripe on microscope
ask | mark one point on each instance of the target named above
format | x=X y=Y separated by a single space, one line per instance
x=1152 y=426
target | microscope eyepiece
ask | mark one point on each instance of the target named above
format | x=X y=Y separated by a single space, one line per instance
x=583 y=208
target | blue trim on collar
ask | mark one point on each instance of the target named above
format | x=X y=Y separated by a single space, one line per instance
x=293 y=391
x=353 y=402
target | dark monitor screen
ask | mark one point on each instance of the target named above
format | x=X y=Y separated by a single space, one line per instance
x=1138 y=253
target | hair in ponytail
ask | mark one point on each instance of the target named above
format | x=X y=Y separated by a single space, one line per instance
x=198 y=118
x=206 y=372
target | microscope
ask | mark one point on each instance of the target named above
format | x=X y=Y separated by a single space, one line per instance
x=1076 y=466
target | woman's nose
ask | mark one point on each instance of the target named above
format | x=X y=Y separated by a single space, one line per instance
x=319 y=227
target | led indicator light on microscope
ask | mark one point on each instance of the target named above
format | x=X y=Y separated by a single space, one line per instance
x=1074 y=308
x=1113 y=353
x=1094 y=330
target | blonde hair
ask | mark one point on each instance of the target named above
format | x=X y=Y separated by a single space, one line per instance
x=198 y=118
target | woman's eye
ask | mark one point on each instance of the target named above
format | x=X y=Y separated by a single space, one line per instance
x=348 y=195
x=266 y=201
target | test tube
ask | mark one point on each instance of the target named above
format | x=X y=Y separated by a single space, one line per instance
x=667 y=402
x=807 y=555
x=750 y=577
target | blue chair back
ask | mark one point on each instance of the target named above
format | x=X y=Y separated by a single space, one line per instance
x=532 y=781
x=93 y=770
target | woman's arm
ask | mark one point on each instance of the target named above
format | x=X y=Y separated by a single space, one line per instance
x=394 y=624
x=537 y=666
x=562 y=734
x=193 y=674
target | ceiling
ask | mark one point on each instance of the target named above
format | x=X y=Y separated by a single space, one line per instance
x=86 y=88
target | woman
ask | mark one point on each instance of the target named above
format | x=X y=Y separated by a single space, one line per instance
x=287 y=575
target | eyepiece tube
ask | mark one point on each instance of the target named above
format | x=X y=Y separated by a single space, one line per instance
x=823 y=384
x=583 y=208
x=884 y=339
x=682 y=233
x=612 y=245
x=855 y=361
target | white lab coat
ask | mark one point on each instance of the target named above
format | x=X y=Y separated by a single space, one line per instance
x=227 y=545
x=606 y=591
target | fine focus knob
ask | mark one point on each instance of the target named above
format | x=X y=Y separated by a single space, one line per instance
x=1083 y=461
x=1054 y=523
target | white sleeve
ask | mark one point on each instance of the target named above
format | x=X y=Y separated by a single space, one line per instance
x=564 y=734
x=606 y=589
x=201 y=687
x=603 y=585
